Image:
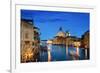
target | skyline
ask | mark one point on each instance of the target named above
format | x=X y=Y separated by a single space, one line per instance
x=49 y=22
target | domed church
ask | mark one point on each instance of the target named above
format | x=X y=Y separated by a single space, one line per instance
x=64 y=38
x=60 y=37
x=61 y=33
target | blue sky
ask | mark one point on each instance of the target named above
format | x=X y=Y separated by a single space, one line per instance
x=49 y=22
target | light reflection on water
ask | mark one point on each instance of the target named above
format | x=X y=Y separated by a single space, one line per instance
x=58 y=53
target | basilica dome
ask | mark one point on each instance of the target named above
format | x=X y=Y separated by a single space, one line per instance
x=61 y=33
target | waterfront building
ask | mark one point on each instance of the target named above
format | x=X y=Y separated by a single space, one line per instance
x=64 y=38
x=85 y=43
x=85 y=40
x=60 y=38
x=29 y=41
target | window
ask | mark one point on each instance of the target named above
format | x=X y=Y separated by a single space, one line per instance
x=26 y=35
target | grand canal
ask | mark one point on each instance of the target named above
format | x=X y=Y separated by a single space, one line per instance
x=58 y=53
x=54 y=36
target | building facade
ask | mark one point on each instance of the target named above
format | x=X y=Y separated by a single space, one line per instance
x=85 y=43
x=29 y=42
x=64 y=38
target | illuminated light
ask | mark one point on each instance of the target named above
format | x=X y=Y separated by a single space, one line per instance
x=49 y=56
x=27 y=54
x=49 y=42
x=77 y=44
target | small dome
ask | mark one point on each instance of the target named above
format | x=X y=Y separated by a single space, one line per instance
x=67 y=33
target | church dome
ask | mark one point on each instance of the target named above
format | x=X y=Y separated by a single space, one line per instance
x=61 y=33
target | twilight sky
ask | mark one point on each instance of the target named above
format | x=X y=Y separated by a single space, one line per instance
x=49 y=22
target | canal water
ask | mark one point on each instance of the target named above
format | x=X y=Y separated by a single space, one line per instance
x=58 y=53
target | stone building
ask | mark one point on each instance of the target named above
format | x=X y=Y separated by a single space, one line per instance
x=85 y=43
x=71 y=39
x=29 y=41
x=85 y=40
x=64 y=38
x=60 y=37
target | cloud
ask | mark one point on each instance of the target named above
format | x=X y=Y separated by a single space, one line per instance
x=44 y=20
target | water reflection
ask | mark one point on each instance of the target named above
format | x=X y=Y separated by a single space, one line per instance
x=58 y=53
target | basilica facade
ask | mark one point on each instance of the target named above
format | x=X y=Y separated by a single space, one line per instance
x=65 y=38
